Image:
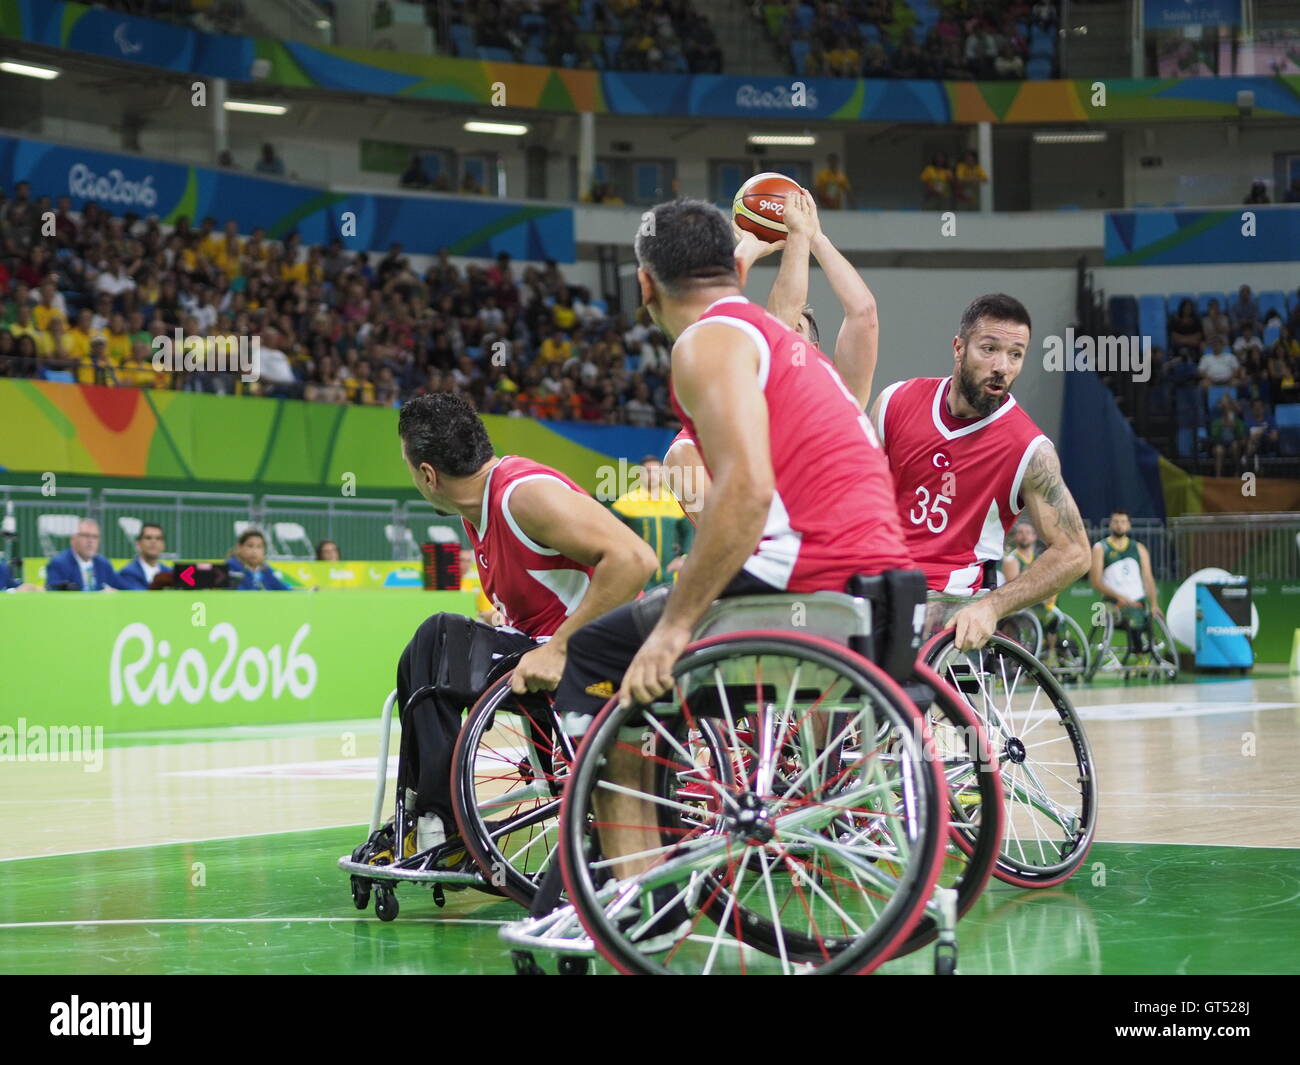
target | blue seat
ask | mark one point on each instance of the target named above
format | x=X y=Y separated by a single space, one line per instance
x=1123 y=313
x=496 y=55
x=1153 y=322
x=1272 y=300
x=1042 y=45
x=1186 y=441
x=1214 y=394
x=1175 y=298
x=1203 y=301
x=599 y=305
x=462 y=39
x=806 y=13
x=568 y=60
x=1271 y=333
x=612 y=42
x=532 y=23
x=1039 y=69
x=799 y=56
x=62 y=376
x=534 y=56
x=1287 y=415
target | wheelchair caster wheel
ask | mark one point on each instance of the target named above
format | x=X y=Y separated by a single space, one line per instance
x=525 y=965
x=945 y=961
x=360 y=892
x=385 y=904
x=573 y=966
x=439 y=896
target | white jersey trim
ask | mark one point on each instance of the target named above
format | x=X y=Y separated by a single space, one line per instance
x=885 y=397
x=481 y=528
x=750 y=330
x=520 y=535
x=778 y=551
x=567 y=585
x=954 y=434
x=1030 y=448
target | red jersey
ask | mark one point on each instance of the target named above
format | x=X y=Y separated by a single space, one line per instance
x=958 y=479
x=535 y=587
x=832 y=513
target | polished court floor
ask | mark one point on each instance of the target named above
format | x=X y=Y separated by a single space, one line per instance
x=214 y=850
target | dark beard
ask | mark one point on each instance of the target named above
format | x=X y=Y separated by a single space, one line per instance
x=972 y=391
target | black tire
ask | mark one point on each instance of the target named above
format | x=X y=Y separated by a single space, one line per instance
x=975 y=798
x=386 y=904
x=782 y=800
x=1003 y=667
x=530 y=757
x=360 y=892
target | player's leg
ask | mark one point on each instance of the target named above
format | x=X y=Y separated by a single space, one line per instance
x=598 y=655
x=443 y=670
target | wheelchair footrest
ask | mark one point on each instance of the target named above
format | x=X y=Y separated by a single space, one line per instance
x=559 y=932
x=418 y=876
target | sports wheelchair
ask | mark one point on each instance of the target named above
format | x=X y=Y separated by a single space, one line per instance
x=845 y=808
x=1054 y=638
x=1149 y=649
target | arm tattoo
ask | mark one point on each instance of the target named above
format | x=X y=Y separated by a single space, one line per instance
x=1044 y=475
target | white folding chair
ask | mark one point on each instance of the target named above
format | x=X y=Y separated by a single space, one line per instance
x=402 y=539
x=293 y=540
x=52 y=526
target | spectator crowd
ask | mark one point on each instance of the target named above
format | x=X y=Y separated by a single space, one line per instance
x=1225 y=371
x=884 y=39
x=332 y=326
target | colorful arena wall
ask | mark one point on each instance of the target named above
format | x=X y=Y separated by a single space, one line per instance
x=425 y=224
x=184 y=437
x=290 y=64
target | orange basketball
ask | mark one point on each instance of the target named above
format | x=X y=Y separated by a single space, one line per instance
x=759 y=206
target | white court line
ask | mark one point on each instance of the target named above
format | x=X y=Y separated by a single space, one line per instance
x=1149 y=710
x=243 y=920
x=1183 y=843
x=361 y=825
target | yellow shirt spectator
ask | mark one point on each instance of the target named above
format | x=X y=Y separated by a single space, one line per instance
x=42 y=315
x=564 y=317
x=967 y=180
x=119 y=347
x=555 y=349
x=78 y=343
x=832 y=186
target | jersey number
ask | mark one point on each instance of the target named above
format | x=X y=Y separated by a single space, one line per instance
x=864 y=420
x=930 y=513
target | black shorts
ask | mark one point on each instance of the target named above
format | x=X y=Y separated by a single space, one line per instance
x=600 y=652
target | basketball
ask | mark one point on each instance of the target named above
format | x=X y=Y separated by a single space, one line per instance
x=759 y=206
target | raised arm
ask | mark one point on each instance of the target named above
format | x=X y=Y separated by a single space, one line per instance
x=858 y=343
x=789 y=293
x=555 y=516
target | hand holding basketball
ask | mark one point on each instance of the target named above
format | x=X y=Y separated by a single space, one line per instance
x=760 y=203
x=801 y=215
x=749 y=249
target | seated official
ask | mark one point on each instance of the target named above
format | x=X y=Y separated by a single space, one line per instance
x=138 y=574
x=81 y=568
x=248 y=569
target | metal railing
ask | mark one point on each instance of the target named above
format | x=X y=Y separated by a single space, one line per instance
x=202 y=525
x=1261 y=546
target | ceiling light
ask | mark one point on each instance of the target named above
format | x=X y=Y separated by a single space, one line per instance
x=1091 y=137
x=792 y=140
x=256 y=109
x=29 y=70
x=509 y=129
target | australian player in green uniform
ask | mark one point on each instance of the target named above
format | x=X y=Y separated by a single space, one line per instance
x=653 y=513
x=1121 y=573
x=1025 y=538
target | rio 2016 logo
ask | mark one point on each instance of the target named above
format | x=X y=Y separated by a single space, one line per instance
x=777 y=206
x=246 y=675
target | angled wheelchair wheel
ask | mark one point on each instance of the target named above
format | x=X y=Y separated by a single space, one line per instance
x=1048 y=775
x=1024 y=627
x=510 y=763
x=1101 y=653
x=975 y=796
x=1073 y=655
x=819 y=843
x=1163 y=650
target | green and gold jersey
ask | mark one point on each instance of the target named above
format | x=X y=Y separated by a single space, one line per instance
x=1121 y=568
x=660 y=523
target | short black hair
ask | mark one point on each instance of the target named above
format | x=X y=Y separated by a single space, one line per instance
x=999 y=307
x=442 y=429
x=1120 y=510
x=814 y=334
x=149 y=525
x=248 y=534
x=684 y=243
